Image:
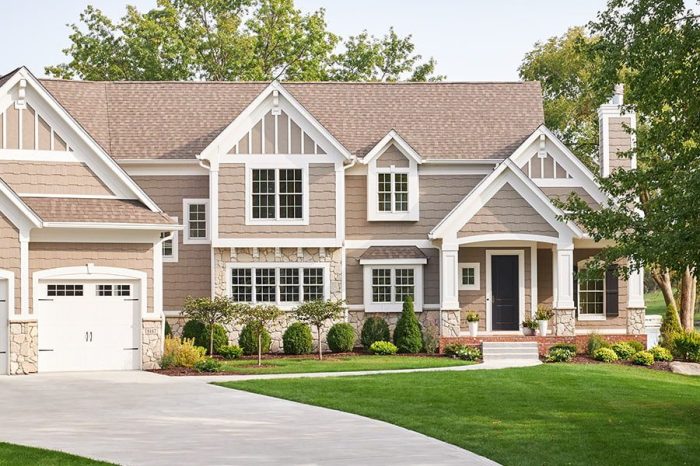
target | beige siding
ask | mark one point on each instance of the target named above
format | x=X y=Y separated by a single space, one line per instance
x=439 y=194
x=276 y=128
x=28 y=128
x=392 y=156
x=431 y=277
x=191 y=274
x=52 y=178
x=9 y=256
x=30 y=136
x=12 y=120
x=620 y=141
x=43 y=256
x=322 y=189
x=545 y=292
x=562 y=194
x=507 y=212
x=614 y=322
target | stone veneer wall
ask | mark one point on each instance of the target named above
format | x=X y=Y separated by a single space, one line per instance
x=427 y=319
x=151 y=344
x=635 y=321
x=24 y=347
x=564 y=322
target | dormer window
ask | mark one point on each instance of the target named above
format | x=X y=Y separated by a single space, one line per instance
x=392 y=191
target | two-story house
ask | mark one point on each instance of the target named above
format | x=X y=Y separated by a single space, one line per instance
x=119 y=199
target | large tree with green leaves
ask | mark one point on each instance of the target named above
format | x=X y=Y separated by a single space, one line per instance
x=232 y=40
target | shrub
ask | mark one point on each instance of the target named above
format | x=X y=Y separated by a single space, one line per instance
x=670 y=327
x=642 y=358
x=468 y=353
x=297 y=339
x=544 y=313
x=623 y=350
x=472 y=316
x=408 y=337
x=686 y=345
x=168 y=330
x=208 y=365
x=570 y=347
x=605 y=355
x=431 y=339
x=200 y=333
x=661 y=354
x=230 y=351
x=560 y=354
x=317 y=313
x=341 y=338
x=383 y=348
x=181 y=353
x=249 y=342
x=637 y=346
x=453 y=348
x=595 y=342
x=374 y=329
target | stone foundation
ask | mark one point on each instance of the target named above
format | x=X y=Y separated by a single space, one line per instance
x=151 y=344
x=564 y=322
x=635 y=321
x=24 y=347
x=176 y=325
x=451 y=326
x=427 y=319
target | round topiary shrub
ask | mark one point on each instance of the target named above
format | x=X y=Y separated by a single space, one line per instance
x=605 y=355
x=642 y=358
x=383 y=348
x=408 y=336
x=230 y=352
x=661 y=354
x=200 y=333
x=297 y=339
x=623 y=350
x=194 y=329
x=248 y=341
x=374 y=329
x=636 y=345
x=341 y=338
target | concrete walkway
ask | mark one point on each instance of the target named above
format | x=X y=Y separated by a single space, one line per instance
x=139 y=418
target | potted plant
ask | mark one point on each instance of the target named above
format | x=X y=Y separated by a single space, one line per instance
x=529 y=326
x=473 y=322
x=542 y=317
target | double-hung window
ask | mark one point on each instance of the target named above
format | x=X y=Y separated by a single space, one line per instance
x=387 y=287
x=392 y=192
x=277 y=195
x=278 y=284
x=591 y=295
x=196 y=214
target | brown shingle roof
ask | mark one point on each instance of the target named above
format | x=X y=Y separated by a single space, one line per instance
x=177 y=120
x=392 y=252
x=63 y=209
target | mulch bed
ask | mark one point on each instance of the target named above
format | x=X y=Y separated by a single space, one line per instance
x=658 y=365
x=185 y=371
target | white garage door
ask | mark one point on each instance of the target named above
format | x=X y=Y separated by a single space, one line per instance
x=4 y=345
x=88 y=326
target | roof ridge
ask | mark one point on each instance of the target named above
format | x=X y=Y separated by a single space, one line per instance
x=340 y=83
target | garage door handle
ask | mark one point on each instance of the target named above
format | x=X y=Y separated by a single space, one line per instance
x=90 y=336
x=86 y=336
x=45 y=299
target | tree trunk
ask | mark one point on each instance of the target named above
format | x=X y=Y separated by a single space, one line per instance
x=663 y=280
x=259 y=348
x=687 y=298
x=320 y=348
x=211 y=340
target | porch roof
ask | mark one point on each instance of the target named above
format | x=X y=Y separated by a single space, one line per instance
x=375 y=253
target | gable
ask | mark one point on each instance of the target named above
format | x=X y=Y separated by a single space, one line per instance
x=24 y=128
x=507 y=212
x=392 y=156
x=276 y=133
x=544 y=167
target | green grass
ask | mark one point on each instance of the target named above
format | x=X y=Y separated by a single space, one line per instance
x=553 y=414
x=656 y=305
x=337 y=364
x=17 y=455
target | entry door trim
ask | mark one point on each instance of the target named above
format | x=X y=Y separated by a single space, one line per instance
x=521 y=283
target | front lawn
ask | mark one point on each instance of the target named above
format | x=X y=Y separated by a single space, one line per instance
x=657 y=306
x=18 y=455
x=284 y=365
x=551 y=414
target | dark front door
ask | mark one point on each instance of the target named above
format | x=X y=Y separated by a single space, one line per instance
x=504 y=293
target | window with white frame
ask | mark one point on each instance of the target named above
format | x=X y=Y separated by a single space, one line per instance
x=387 y=286
x=469 y=276
x=392 y=192
x=113 y=290
x=277 y=195
x=278 y=284
x=196 y=214
x=169 y=246
x=591 y=294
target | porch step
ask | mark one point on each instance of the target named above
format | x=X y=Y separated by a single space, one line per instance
x=520 y=350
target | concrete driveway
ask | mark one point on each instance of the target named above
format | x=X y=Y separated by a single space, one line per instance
x=139 y=418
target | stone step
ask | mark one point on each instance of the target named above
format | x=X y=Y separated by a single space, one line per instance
x=519 y=357
x=510 y=351
x=509 y=344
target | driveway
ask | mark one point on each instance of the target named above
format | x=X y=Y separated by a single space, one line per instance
x=139 y=418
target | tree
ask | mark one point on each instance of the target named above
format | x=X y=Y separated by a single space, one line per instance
x=258 y=317
x=408 y=336
x=209 y=311
x=654 y=218
x=318 y=312
x=231 y=40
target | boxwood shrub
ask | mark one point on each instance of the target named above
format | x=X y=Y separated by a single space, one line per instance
x=452 y=349
x=560 y=355
x=661 y=354
x=383 y=348
x=249 y=342
x=341 y=338
x=623 y=350
x=596 y=342
x=200 y=332
x=642 y=358
x=297 y=339
x=374 y=329
x=468 y=353
x=636 y=345
x=605 y=355
x=208 y=365
x=230 y=351
x=567 y=346
x=686 y=345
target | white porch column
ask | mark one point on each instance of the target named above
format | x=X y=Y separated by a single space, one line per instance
x=635 y=289
x=564 y=276
x=449 y=271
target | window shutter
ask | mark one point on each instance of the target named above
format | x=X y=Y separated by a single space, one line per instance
x=576 y=289
x=611 y=292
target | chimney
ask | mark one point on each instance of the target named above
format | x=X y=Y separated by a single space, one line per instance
x=613 y=136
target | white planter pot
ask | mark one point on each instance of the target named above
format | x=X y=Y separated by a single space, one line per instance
x=473 y=328
x=543 y=327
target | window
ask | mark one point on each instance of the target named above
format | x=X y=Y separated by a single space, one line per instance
x=262 y=283
x=591 y=295
x=392 y=192
x=104 y=290
x=122 y=290
x=277 y=195
x=469 y=277
x=64 y=290
x=393 y=285
x=113 y=290
x=170 y=246
x=196 y=213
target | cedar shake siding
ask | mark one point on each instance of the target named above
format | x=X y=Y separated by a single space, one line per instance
x=392 y=156
x=43 y=256
x=439 y=194
x=563 y=193
x=191 y=274
x=545 y=270
x=507 y=212
x=619 y=142
x=620 y=321
x=354 y=287
x=9 y=257
x=232 y=201
x=64 y=178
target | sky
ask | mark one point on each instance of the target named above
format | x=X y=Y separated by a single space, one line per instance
x=471 y=40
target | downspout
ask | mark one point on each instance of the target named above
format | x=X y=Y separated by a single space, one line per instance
x=353 y=161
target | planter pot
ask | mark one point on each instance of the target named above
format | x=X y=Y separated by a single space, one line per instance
x=543 y=327
x=528 y=332
x=473 y=328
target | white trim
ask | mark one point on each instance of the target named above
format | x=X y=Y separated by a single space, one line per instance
x=14 y=207
x=413 y=184
x=36 y=155
x=158 y=278
x=587 y=317
x=521 y=283
x=174 y=237
x=192 y=168
x=70 y=196
x=24 y=272
x=299 y=242
x=393 y=306
x=9 y=277
x=506 y=237
x=118 y=226
x=477 y=276
x=534 y=298
x=409 y=261
x=395 y=139
x=601 y=331
x=213 y=211
x=186 y=221
x=277 y=221
x=367 y=243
